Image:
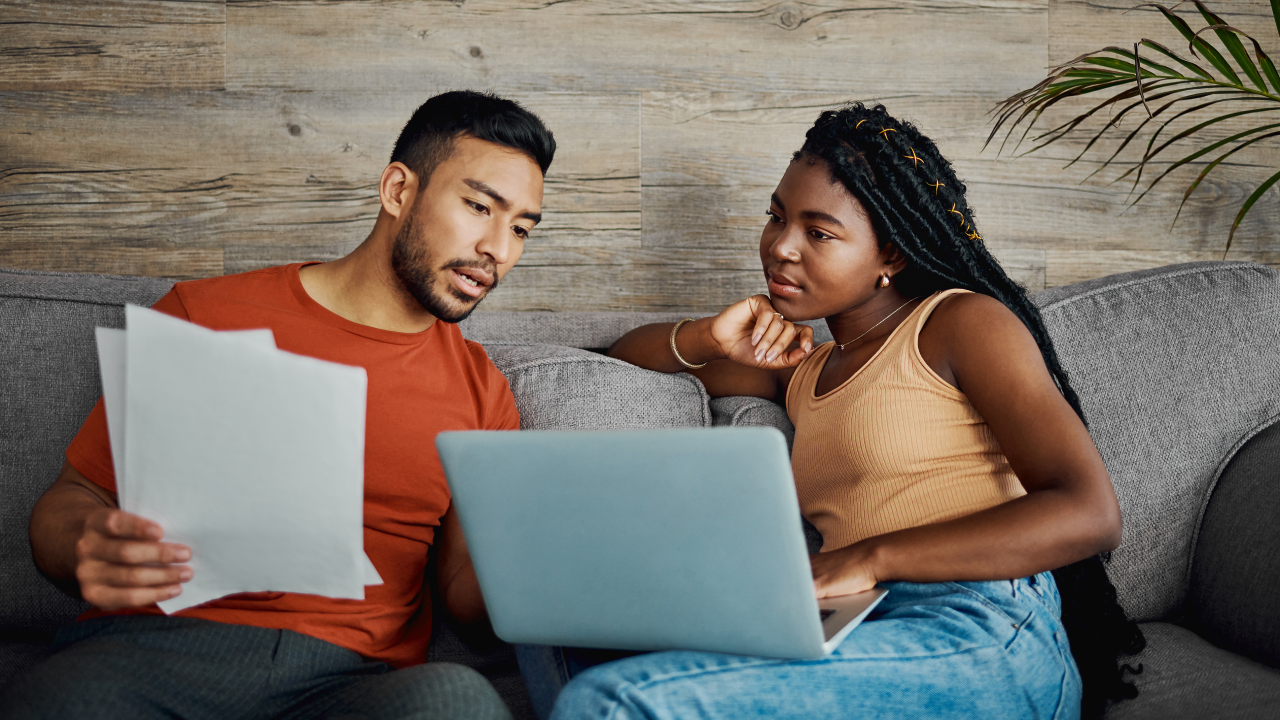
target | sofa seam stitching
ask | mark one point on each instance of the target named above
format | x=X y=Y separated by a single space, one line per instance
x=1235 y=265
x=78 y=301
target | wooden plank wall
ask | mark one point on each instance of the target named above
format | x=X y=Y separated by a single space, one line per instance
x=202 y=137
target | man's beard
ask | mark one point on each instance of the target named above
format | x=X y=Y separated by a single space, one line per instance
x=412 y=265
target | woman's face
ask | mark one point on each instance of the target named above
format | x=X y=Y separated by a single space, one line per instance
x=818 y=248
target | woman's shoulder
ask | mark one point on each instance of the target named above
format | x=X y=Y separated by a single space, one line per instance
x=967 y=314
x=976 y=333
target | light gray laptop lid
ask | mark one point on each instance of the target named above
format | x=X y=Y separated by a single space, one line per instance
x=638 y=539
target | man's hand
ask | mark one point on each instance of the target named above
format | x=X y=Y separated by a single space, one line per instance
x=122 y=563
x=87 y=546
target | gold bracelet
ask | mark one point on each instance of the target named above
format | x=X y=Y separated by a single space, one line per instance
x=676 y=352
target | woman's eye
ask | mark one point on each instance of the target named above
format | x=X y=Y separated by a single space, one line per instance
x=819 y=235
x=773 y=217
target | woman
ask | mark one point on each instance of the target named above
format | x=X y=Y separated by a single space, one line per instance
x=939 y=449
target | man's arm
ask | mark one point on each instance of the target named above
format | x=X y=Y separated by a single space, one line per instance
x=89 y=548
x=457 y=578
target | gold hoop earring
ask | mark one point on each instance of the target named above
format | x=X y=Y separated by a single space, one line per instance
x=884 y=281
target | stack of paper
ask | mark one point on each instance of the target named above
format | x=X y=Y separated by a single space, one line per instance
x=252 y=456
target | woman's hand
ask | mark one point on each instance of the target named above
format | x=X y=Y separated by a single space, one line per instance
x=750 y=332
x=845 y=571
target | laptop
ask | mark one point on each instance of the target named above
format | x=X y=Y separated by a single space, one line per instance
x=685 y=538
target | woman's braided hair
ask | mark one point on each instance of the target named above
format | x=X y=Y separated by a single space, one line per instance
x=917 y=204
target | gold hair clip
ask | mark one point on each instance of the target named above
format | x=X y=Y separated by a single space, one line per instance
x=957 y=212
x=935 y=185
x=886 y=130
x=973 y=235
x=855 y=127
x=915 y=159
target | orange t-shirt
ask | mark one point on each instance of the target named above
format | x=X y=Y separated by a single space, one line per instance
x=420 y=384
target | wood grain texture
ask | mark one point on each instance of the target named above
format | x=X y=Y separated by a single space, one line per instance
x=153 y=260
x=628 y=45
x=112 y=45
x=272 y=171
x=711 y=160
x=189 y=139
x=1080 y=26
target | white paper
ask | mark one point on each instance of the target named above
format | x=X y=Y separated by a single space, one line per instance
x=252 y=456
x=111 y=361
x=111 y=364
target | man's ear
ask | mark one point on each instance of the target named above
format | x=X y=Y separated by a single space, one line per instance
x=397 y=188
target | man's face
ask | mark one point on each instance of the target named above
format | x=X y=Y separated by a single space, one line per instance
x=467 y=227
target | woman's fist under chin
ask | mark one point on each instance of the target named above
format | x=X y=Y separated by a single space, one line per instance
x=752 y=333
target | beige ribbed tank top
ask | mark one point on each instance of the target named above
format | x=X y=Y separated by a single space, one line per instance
x=894 y=446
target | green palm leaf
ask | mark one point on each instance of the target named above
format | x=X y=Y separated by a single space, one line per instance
x=1185 y=133
x=1167 y=90
x=1138 y=130
x=1210 y=53
x=1248 y=204
x=1227 y=35
x=1208 y=168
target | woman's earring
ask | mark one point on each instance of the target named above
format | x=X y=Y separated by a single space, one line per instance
x=884 y=281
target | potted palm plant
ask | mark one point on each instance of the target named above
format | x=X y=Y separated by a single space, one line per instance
x=1178 y=96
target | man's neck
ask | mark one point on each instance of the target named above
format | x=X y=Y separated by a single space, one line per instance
x=362 y=288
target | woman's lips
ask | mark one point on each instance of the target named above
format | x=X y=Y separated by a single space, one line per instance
x=783 y=286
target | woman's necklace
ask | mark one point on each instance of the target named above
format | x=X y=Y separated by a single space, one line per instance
x=873 y=327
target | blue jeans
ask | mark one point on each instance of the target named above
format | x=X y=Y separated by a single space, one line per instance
x=956 y=649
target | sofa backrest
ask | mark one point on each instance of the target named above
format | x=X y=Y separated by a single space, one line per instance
x=48 y=382
x=1175 y=368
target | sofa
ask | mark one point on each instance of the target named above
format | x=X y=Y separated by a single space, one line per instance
x=1178 y=370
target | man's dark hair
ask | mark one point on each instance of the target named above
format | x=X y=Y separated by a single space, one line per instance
x=428 y=138
x=917 y=204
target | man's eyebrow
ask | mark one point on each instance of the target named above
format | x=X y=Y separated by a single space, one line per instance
x=499 y=200
x=487 y=190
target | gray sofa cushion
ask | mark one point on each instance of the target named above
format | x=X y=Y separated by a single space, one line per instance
x=1233 y=599
x=1174 y=366
x=1183 y=676
x=49 y=379
x=562 y=388
x=752 y=411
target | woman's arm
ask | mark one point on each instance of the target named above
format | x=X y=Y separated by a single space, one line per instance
x=749 y=349
x=1070 y=510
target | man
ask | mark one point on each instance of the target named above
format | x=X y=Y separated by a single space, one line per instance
x=459 y=198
